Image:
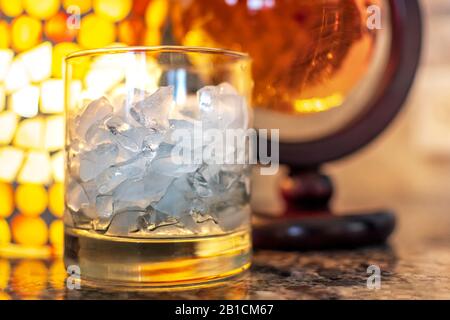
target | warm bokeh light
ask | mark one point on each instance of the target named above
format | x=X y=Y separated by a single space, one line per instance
x=56 y=29
x=114 y=10
x=52 y=96
x=16 y=77
x=42 y=9
x=6 y=57
x=11 y=8
x=130 y=31
x=29 y=278
x=26 y=32
x=36 y=168
x=10 y=161
x=57 y=162
x=25 y=102
x=314 y=105
x=30 y=134
x=5 y=271
x=29 y=231
x=59 y=52
x=42 y=70
x=6 y=200
x=58 y=274
x=105 y=32
x=34 y=41
x=31 y=199
x=156 y=13
x=5 y=233
x=5 y=36
x=8 y=124
x=83 y=5
x=54 y=133
x=56 y=234
x=56 y=199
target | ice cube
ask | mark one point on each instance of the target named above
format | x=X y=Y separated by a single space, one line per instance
x=116 y=174
x=76 y=196
x=177 y=198
x=95 y=112
x=141 y=192
x=169 y=163
x=104 y=206
x=154 y=110
x=124 y=223
x=93 y=162
x=233 y=217
x=221 y=107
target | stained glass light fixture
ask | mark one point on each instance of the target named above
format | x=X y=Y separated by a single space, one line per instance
x=35 y=36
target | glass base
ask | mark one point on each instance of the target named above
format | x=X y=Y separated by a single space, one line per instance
x=118 y=262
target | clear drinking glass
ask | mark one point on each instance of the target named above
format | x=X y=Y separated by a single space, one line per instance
x=152 y=197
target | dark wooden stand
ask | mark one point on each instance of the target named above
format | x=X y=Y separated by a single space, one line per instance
x=309 y=224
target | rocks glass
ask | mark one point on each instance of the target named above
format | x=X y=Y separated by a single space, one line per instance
x=157 y=192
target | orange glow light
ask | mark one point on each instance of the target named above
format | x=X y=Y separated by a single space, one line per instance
x=56 y=199
x=83 y=5
x=5 y=234
x=11 y=8
x=29 y=231
x=56 y=28
x=26 y=33
x=57 y=233
x=29 y=278
x=31 y=199
x=5 y=37
x=104 y=34
x=6 y=200
x=42 y=9
x=114 y=10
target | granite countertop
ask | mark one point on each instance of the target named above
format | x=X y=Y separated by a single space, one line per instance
x=416 y=264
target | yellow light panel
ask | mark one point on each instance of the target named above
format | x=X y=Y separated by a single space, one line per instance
x=60 y=51
x=25 y=102
x=25 y=32
x=10 y=161
x=57 y=233
x=31 y=199
x=83 y=5
x=16 y=77
x=52 y=96
x=30 y=134
x=114 y=10
x=54 y=133
x=5 y=267
x=6 y=57
x=58 y=166
x=11 y=8
x=6 y=200
x=5 y=233
x=105 y=32
x=29 y=277
x=156 y=13
x=8 y=124
x=56 y=199
x=58 y=274
x=5 y=36
x=2 y=99
x=36 y=168
x=38 y=62
x=42 y=9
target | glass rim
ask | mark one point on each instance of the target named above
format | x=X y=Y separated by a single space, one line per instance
x=157 y=49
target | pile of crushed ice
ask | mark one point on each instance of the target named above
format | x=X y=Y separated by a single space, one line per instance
x=124 y=181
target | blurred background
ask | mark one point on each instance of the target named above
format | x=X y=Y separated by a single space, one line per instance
x=410 y=161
